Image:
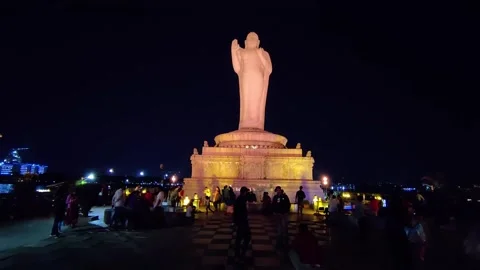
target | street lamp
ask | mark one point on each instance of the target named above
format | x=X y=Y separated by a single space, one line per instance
x=111 y=170
x=325 y=181
x=142 y=173
x=91 y=176
x=174 y=178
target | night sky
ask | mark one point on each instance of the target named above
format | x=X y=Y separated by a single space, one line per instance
x=378 y=93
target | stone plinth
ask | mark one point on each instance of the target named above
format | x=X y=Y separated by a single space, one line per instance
x=239 y=160
x=248 y=163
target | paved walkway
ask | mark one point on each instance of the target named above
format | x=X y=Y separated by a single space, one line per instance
x=96 y=247
x=22 y=233
x=206 y=245
x=15 y=234
x=214 y=241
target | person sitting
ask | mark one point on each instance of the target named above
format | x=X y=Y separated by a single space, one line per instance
x=305 y=252
x=189 y=214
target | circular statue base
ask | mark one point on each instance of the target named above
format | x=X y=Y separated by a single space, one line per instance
x=250 y=138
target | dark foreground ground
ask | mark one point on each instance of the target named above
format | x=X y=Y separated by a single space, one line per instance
x=209 y=245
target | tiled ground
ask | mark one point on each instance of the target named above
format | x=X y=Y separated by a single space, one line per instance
x=214 y=242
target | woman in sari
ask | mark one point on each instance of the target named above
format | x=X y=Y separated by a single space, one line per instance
x=72 y=210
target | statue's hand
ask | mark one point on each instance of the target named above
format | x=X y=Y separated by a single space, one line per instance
x=235 y=45
x=261 y=52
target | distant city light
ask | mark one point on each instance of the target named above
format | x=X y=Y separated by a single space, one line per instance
x=174 y=178
x=91 y=176
x=111 y=171
x=142 y=173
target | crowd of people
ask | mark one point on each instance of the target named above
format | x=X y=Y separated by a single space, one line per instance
x=304 y=251
x=403 y=221
x=145 y=209
x=225 y=197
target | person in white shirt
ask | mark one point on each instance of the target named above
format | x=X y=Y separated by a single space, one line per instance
x=159 y=199
x=118 y=205
x=333 y=204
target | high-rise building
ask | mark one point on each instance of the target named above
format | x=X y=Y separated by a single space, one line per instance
x=13 y=164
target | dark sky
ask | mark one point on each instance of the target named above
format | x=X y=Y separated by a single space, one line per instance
x=376 y=92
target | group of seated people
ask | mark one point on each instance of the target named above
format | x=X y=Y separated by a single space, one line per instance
x=144 y=210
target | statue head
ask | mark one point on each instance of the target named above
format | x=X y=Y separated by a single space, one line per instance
x=252 y=41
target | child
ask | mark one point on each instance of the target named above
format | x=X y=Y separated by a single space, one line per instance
x=417 y=238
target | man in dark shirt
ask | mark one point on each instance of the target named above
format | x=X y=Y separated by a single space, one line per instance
x=281 y=209
x=299 y=198
x=59 y=208
x=240 y=218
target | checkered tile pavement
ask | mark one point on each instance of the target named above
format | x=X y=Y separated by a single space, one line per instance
x=214 y=242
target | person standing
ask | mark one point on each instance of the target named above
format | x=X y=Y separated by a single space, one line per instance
x=159 y=199
x=208 y=195
x=281 y=209
x=119 y=211
x=217 y=198
x=240 y=219
x=266 y=203
x=225 y=199
x=299 y=198
x=72 y=209
x=173 y=197
x=59 y=208
x=374 y=206
x=181 y=195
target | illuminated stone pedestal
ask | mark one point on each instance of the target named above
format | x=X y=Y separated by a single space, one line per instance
x=256 y=159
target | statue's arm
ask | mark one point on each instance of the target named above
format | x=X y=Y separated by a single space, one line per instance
x=236 y=60
x=236 y=56
x=268 y=63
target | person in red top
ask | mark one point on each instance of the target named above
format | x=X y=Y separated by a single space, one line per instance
x=305 y=252
x=181 y=193
x=149 y=198
x=374 y=206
